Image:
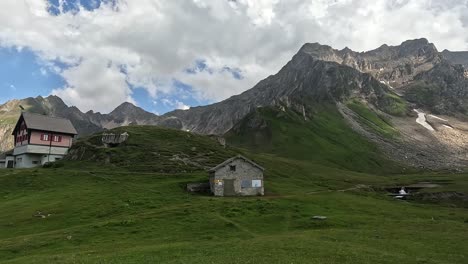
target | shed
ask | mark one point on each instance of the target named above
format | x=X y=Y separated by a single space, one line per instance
x=237 y=176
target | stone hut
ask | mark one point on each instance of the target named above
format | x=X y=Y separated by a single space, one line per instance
x=237 y=176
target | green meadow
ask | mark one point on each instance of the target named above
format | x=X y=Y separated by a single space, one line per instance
x=99 y=210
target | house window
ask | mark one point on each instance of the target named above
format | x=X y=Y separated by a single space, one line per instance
x=35 y=162
x=57 y=138
x=45 y=137
x=256 y=183
x=246 y=184
x=232 y=167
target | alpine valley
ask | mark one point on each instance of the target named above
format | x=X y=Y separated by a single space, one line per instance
x=410 y=100
x=338 y=132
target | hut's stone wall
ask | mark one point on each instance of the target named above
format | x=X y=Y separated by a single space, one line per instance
x=245 y=173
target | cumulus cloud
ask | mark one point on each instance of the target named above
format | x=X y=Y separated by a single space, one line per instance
x=174 y=103
x=95 y=81
x=121 y=44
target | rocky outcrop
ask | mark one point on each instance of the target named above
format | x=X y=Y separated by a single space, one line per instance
x=393 y=65
x=320 y=73
x=456 y=57
x=6 y=139
x=443 y=89
x=304 y=82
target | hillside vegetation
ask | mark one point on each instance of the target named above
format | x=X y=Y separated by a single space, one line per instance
x=129 y=205
x=106 y=215
x=325 y=138
x=153 y=149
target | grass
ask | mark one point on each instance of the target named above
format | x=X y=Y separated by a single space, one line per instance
x=326 y=139
x=394 y=105
x=150 y=149
x=106 y=212
x=373 y=120
x=99 y=215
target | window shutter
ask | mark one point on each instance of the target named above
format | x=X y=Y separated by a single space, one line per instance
x=42 y=137
x=60 y=139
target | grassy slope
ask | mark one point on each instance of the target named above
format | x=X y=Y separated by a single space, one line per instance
x=112 y=214
x=154 y=150
x=394 y=105
x=105 y=216
x=372 y=120
x=325 y=139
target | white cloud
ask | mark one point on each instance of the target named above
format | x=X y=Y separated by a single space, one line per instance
x=149 y=43
x=95 y=84
x=176 y=104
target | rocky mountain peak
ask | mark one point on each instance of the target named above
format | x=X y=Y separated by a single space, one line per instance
x=126 y=106
x=418 y=47
x=129 y=109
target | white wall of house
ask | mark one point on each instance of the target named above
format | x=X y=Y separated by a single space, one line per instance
x=37 y=149
x=51 y=158
x=29 y=160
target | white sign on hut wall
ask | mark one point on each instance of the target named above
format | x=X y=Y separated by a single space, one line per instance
x=256 y=183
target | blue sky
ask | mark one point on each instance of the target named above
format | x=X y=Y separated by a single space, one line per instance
x=23 y=75
x=164 y=55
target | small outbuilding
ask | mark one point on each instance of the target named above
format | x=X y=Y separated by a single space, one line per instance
x=237 y=176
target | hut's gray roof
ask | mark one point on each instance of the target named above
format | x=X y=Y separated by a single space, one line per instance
x=234 y=158
x=49 y=123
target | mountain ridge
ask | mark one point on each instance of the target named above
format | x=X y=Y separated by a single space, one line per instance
x=390 y=84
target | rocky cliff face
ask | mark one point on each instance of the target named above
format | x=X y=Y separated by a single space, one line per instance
x=456 y=57
x=319 y=72
x=393 y=65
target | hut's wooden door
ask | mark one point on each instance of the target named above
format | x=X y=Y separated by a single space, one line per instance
x=10 y=164
x=229 y=188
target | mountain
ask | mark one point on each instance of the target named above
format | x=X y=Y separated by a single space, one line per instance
x=456 y=57
x=410 y=100
x=85 y=123
x=319 y=72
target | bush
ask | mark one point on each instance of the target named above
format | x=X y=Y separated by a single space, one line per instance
x=49 y=165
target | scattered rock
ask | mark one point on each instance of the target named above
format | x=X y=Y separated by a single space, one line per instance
x=319 y=217
x=40 y=214
x=198 y=187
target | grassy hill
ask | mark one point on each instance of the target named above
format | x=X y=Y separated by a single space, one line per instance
x=326 y=138
x=153 y=149
x=128 y=204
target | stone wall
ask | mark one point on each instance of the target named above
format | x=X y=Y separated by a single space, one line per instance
x=244 y=172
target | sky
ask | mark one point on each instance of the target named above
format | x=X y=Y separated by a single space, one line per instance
x=163 y=55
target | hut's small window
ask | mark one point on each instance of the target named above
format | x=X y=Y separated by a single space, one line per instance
x=256 y=183
x=246 y=184
x=232 y=167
